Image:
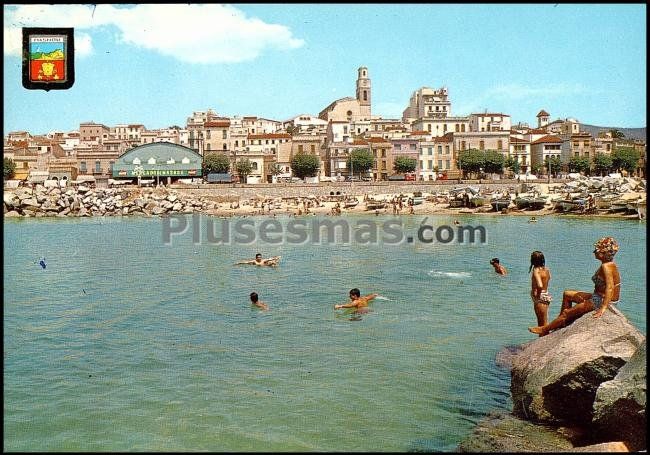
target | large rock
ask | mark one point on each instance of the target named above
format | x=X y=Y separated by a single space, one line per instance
x=619 y=407
x=506 y=433
x=555 y=377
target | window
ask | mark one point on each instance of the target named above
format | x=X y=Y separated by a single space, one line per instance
x=500 y=144
x=398 y=146
x=345 y=129
x=446 y=150
x=98 y=166
x=225 y=147
x=224 y=134
x=413 y=146
x=110 y=166
x=383 y=165
x=456 y=128
x=448 y=163
x=481 y=145
x=254 y=165
x=430 y=150
x=151 y=160
x=429 y=127
x=462 y=146
x=82 y=166
x=136 y=161
x=300 y=148
x=462 y=128
x=207 y=134
x=313 y=148
x=365 y=95
x=207 y=146
x=440 y=167
x=440 y=149
x=430 y=163
x=444 y=127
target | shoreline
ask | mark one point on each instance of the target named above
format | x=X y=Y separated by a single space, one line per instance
x=102 y=202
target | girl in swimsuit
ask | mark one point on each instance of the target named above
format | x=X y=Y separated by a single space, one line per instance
x=539 y=286
x=607 y=290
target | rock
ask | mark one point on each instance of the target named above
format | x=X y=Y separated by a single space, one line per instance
x=27 y=212
x=555 y=377
x=604 y=447
x=8 y=199
x=12 y=214
x=172 y=198
x=158 y=210
x=506 y=433
x=177 y=207
x=619 y=407
x=30 y=201
x=82 y=189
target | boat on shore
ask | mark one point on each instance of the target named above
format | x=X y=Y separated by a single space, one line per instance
x=418 y=200
x=500 y=203
x=478 y=201
x=570 y=205
x=375 y=205
x=350 y=203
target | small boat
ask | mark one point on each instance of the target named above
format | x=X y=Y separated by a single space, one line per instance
x=522 y=203
x=500 y=204
x=418 y=200
x=455 y=203
x=350 y=203
x=375 y=205
x=477 y=201
x=537 y=203
x=570 y=205
x=618 y=205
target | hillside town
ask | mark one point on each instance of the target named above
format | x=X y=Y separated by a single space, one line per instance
x=427 y=134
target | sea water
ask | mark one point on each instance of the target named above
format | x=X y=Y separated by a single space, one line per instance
x=125 y=343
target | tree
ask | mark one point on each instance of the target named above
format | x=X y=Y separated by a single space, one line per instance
x=603 y=163
x=626 y=158
x=536 y=168
x=616 y=134
x=512 y=164
x=217 y=163
x=470 y=161
x=493 y=162
x=579 y=164
x=275 y=169
x=9 y=168
x=405 y=164
x=360 y=161
x=555 y=166
x=291 y=129
x=305 y=165
x=244 y=169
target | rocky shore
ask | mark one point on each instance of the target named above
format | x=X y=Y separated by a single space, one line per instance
x=580 y=388
x=85 y=201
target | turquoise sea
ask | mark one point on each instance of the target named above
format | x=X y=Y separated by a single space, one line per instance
x=124 y=343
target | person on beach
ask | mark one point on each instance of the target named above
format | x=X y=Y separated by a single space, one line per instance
x=356 y=301
x=259 y=304
x=607 y=290
x=539 y=286
x=501 y=270
x=260 y=262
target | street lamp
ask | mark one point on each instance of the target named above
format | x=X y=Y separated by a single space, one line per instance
x=549 y=169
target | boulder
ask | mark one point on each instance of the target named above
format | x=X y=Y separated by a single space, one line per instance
x=555 y=377
x=619 y=407
x=617 y=446
x=12 y=214
x=506 y=433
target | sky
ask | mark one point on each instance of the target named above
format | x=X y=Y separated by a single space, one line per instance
x=156 y=64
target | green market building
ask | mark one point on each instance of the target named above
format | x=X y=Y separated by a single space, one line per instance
x=160 y=161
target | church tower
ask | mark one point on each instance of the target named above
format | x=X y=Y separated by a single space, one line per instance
x=364 y=91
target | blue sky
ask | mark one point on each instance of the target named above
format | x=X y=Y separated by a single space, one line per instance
x=156 y=64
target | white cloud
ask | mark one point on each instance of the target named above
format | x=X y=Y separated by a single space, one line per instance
x=195 y=33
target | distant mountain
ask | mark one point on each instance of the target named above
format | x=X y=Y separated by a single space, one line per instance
x=630 y=133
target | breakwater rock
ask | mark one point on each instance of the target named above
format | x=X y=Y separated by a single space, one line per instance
x=589 y=376
x=86 y=201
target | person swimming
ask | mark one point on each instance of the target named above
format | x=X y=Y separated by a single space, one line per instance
x=273 y=261
x=501 y=270
x=356 y=301
x=256 y=302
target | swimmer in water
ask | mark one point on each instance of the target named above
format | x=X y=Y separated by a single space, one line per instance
x=501 y=270
x=260 y=262
x=259 y=304
x=356 y=301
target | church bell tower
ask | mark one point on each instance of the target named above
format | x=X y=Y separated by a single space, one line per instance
x=364 y=90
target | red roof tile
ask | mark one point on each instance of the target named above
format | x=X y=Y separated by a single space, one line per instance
x=548 y=139
x=543 y=113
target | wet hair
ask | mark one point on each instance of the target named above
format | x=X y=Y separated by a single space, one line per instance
x=258 y=254
x=355 y=292
x=494 y=261
x=254 y=297
x=536 y=260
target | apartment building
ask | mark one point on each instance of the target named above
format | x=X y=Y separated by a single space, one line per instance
x=488 y=122
x=520 y=150
x=382 y=152
x=216 y=136
x=427 y=103
x=577 y=145
x=544 y=148
x=91 y=132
